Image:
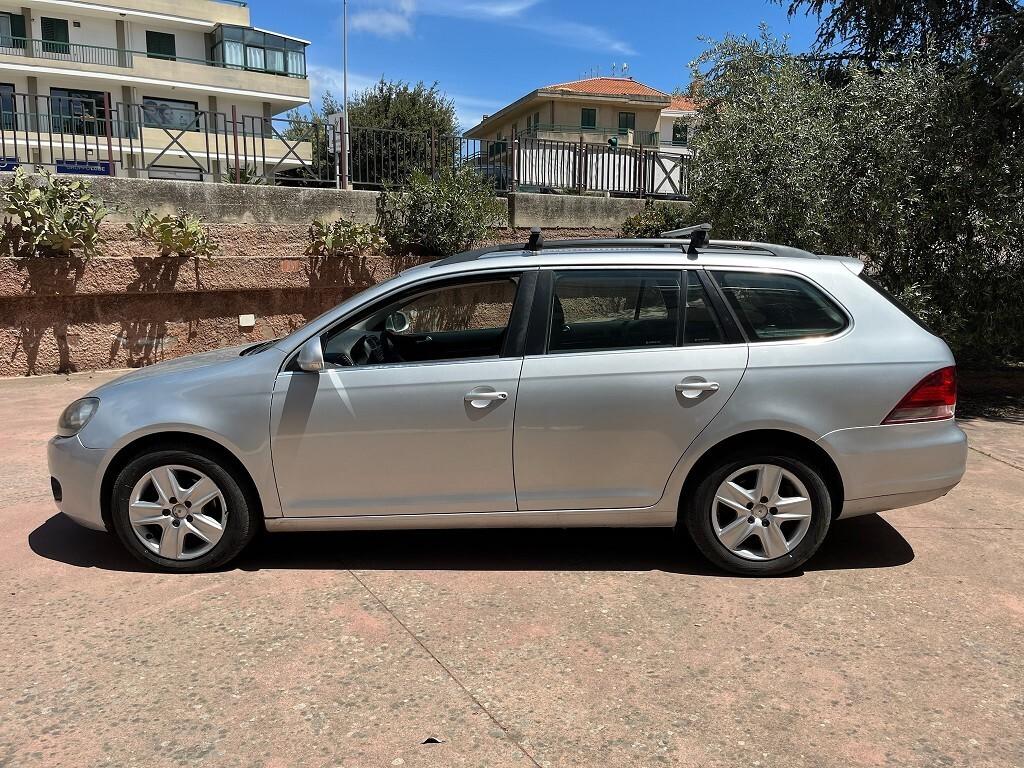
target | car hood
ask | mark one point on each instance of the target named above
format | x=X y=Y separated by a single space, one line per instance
x=176 y=366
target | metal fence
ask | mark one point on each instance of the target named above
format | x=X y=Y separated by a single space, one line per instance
x=93 y=136
x=381 y=157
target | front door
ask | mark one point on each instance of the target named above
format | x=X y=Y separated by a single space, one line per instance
x=413 y=413
x=634 y=366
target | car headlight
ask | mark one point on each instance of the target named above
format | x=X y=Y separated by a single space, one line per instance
x=76 y=416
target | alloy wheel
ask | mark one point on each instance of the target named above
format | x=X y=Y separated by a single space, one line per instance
x=177 y=512
x=761 y=512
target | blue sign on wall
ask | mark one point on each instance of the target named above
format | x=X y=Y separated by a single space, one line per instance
x=87 y=167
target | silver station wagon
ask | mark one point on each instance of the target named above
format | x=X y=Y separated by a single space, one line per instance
x=747 y=394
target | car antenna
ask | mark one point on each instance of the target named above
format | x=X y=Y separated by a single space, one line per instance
x=698 y=235
x=536 y=241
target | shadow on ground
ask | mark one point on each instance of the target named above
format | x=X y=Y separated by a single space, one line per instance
x=864 y=542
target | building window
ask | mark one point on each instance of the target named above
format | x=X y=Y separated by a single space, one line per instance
x=55 y=35
x=680 y=133
x=12 y=30
x=8 y=114
x=158 y=112
x=627 y=121
x=246 y=48
x=536 y=119
x=160 y=45
x=77 y=111
x=588 y=118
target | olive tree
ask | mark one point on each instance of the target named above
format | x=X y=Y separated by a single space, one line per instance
x=892 y=163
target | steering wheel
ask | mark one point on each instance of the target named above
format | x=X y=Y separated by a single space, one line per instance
x=373 y=349
x=390 y=348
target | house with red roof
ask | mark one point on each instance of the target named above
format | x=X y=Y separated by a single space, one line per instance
x=595 y=110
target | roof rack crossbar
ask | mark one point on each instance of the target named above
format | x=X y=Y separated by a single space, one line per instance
x=687 y=230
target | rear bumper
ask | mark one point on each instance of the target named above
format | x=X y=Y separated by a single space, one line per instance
x=76 y=470
x=897 y=465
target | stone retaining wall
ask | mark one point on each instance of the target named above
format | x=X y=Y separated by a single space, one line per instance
x=129 y=308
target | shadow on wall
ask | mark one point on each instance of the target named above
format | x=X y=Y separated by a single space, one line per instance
x=43 y=334
x=863 y=542
x=45 y=276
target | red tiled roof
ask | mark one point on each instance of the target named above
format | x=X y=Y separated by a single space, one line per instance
x=608 y=86
x=683 y=104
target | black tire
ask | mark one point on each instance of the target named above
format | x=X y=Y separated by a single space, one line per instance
x=241 y=525
x=698 y=509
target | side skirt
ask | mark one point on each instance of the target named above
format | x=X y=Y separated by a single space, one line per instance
x=566 y=518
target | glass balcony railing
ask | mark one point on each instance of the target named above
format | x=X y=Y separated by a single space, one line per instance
x=290 y=63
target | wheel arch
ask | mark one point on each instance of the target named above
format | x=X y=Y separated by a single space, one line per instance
x=173 y=440
x=770 y=440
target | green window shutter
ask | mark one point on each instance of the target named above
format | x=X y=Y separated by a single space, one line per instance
x=18 y=26
x=160 y=45
x=588 y=117
x=55 y=35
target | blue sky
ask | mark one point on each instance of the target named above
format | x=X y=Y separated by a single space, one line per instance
x=488 y=53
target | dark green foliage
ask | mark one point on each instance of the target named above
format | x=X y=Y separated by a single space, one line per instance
x=401 y=106
x=654 y=219
x=438 y=217
x=896 y=164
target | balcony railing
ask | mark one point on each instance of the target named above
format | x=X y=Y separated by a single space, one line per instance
x=647 y=138
x=107 y=57
x=50 y=49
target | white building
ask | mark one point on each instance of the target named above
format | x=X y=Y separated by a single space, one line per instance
x=183 y=81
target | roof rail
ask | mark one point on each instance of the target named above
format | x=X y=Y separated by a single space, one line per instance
x=691 y=245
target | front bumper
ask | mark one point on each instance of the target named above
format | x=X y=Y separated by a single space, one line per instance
x=897 y=465
x=77 y=470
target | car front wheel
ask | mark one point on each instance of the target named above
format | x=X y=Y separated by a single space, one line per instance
x=759 y=515
x=181 y=511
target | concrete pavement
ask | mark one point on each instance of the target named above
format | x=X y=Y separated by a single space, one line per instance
x=902 y=643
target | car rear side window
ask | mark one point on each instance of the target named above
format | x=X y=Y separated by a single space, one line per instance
x=774 y=307
x=613 y=309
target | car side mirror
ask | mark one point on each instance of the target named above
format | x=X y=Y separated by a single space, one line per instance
x=311 y=356
x=397 y=322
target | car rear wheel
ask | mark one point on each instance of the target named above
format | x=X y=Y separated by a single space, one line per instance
x=759 y=515
x=181 y=511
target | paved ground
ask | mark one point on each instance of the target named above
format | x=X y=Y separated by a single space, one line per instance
x=901 y=644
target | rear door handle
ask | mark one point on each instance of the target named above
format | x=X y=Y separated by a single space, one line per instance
x=696 y=387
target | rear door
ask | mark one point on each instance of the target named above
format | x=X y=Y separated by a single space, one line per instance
x=624 y=368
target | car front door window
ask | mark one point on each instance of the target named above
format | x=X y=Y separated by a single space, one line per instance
x=466 y=320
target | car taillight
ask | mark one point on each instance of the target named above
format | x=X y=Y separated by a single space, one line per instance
x=934 y=397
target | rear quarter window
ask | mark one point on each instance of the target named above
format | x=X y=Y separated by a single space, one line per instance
x=776 y=307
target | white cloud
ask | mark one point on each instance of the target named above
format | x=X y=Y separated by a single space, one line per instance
x=382 y=22
x=331 y=79
x=396 y=18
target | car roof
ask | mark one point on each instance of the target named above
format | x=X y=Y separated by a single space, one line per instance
x=669 y=252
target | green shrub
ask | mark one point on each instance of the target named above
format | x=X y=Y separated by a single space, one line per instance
x=52 y=219
x=246 y=175
x=180 y=234
x=343 y=238
x=654 y=219
x=438 y=217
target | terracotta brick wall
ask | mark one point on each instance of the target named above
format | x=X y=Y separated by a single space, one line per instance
x=130 y=308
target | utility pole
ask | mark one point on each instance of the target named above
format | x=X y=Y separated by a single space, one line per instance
x=346 y=124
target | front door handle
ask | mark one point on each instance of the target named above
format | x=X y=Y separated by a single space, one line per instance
x=483 y=399
x=695 y=387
